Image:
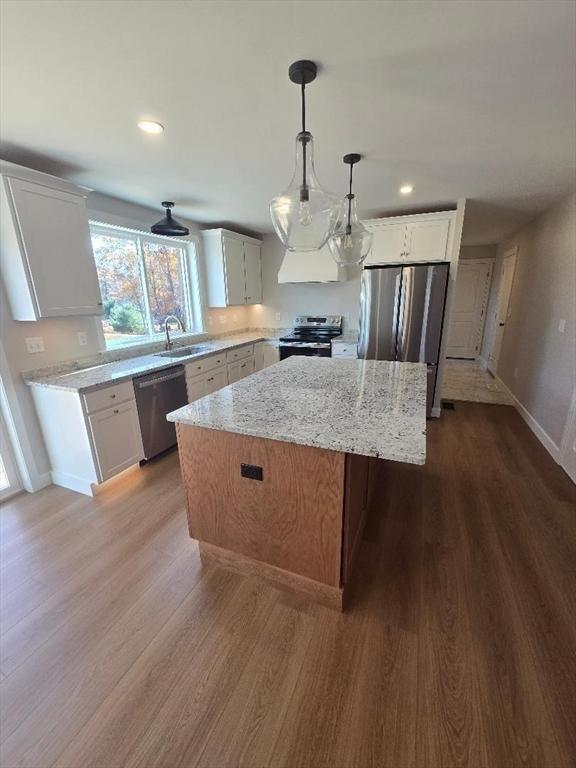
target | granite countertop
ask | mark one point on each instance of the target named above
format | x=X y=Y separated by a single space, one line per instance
x=368 y=407
x=96 y=376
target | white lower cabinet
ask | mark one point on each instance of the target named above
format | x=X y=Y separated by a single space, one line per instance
x=239 y=370
x=116 y=438
x=206 y=383
x=270 y=354
x=89 y=438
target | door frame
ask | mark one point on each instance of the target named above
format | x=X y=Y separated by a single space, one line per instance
x=8 y=458
x=491 y=363
x=481 y=323
x=566 y=458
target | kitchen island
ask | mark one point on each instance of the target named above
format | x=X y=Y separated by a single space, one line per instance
x=277 y=467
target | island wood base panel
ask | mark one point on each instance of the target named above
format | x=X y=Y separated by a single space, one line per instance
x=298 y=523
x=332 y=597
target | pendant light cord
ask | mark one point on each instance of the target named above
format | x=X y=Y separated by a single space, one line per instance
x=350 y=198
x=304 y=190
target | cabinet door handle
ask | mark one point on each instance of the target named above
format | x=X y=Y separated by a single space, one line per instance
x=116 y=410
x=112 y=396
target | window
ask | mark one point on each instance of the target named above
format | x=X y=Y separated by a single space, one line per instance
x=143 y=279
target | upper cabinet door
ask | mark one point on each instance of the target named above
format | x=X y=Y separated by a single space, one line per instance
x=253 y=269
x=52 y=229
x=427 y=240
x=234 y=270
x=387 y=244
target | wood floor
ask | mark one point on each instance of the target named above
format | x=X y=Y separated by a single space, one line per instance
x=120 y=649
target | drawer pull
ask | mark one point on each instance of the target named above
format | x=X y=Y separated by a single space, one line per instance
x=112 y=396
x=116 y=410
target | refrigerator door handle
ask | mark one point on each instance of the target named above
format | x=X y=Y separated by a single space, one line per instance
x=404 y=311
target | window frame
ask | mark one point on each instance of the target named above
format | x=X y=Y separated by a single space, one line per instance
x=190 y=280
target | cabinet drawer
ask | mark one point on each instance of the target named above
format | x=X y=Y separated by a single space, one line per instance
x=344 y=350
x=237 y=371
x=197 y=367
x=116 y=439
x=240 y=353
x=104 y=398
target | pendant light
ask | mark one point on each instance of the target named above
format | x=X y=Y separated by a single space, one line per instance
x=351 y=242
x=168 y=226
x=304 y=216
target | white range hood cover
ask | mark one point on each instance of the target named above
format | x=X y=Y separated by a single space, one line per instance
x=310 y=267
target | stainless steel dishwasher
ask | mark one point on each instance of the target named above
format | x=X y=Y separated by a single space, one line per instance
x=156 y=395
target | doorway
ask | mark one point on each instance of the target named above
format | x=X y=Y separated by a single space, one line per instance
x=10 y=483
x=469 y=309
x=502 y=310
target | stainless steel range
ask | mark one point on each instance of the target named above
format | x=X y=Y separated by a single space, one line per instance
x=311 y=336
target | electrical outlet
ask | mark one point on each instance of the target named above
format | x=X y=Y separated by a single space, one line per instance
x=34 y=344
x=278 y=316
x=562 y=326
x=82 y=338
x=221 y=319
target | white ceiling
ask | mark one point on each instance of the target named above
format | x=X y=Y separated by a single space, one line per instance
x=461 y=99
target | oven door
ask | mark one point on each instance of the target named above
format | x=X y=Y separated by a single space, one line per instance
x=286 y=350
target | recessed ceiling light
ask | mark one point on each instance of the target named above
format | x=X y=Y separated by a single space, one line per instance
x=407 y=189
x=150 y=126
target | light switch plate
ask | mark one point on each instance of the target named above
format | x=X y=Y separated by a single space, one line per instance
x=82 y=338
x=278 y=316
x=34 y=344
x=562 y=326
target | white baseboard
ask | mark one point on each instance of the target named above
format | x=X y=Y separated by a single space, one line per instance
x=483 y=363
x=35 y=482
x=72 y=482
x=540 y=433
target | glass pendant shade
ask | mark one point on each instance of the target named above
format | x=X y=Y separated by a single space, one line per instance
x=305 y=215
x=351 y=242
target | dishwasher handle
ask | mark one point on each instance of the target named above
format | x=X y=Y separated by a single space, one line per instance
x=160 y=379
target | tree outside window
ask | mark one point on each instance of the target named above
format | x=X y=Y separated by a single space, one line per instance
x=142 y=281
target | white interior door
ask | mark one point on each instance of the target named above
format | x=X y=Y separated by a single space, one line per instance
x=469 y=309
x=502 y=312
x=9 y=478
x=568 y=446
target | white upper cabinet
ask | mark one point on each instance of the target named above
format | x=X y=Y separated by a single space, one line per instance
x=233 y=268
x=427 y=240
x=387 y=244
x=253 y=270
x=47 y=261
x=422 y=237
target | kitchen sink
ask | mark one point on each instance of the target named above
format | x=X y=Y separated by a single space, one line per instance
x=181 y=351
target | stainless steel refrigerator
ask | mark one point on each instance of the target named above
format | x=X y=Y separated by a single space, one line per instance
x=402 y=314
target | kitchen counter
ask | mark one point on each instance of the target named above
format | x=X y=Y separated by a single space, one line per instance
x=96 y=376
x=366 y=407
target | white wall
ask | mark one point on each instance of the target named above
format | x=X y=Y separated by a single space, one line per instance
x=478 y=252
x=538 y=362
x=282 y=302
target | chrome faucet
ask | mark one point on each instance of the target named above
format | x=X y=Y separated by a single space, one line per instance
x=169 y=344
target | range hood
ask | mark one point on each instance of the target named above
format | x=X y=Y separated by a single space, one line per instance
x=311 y=267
